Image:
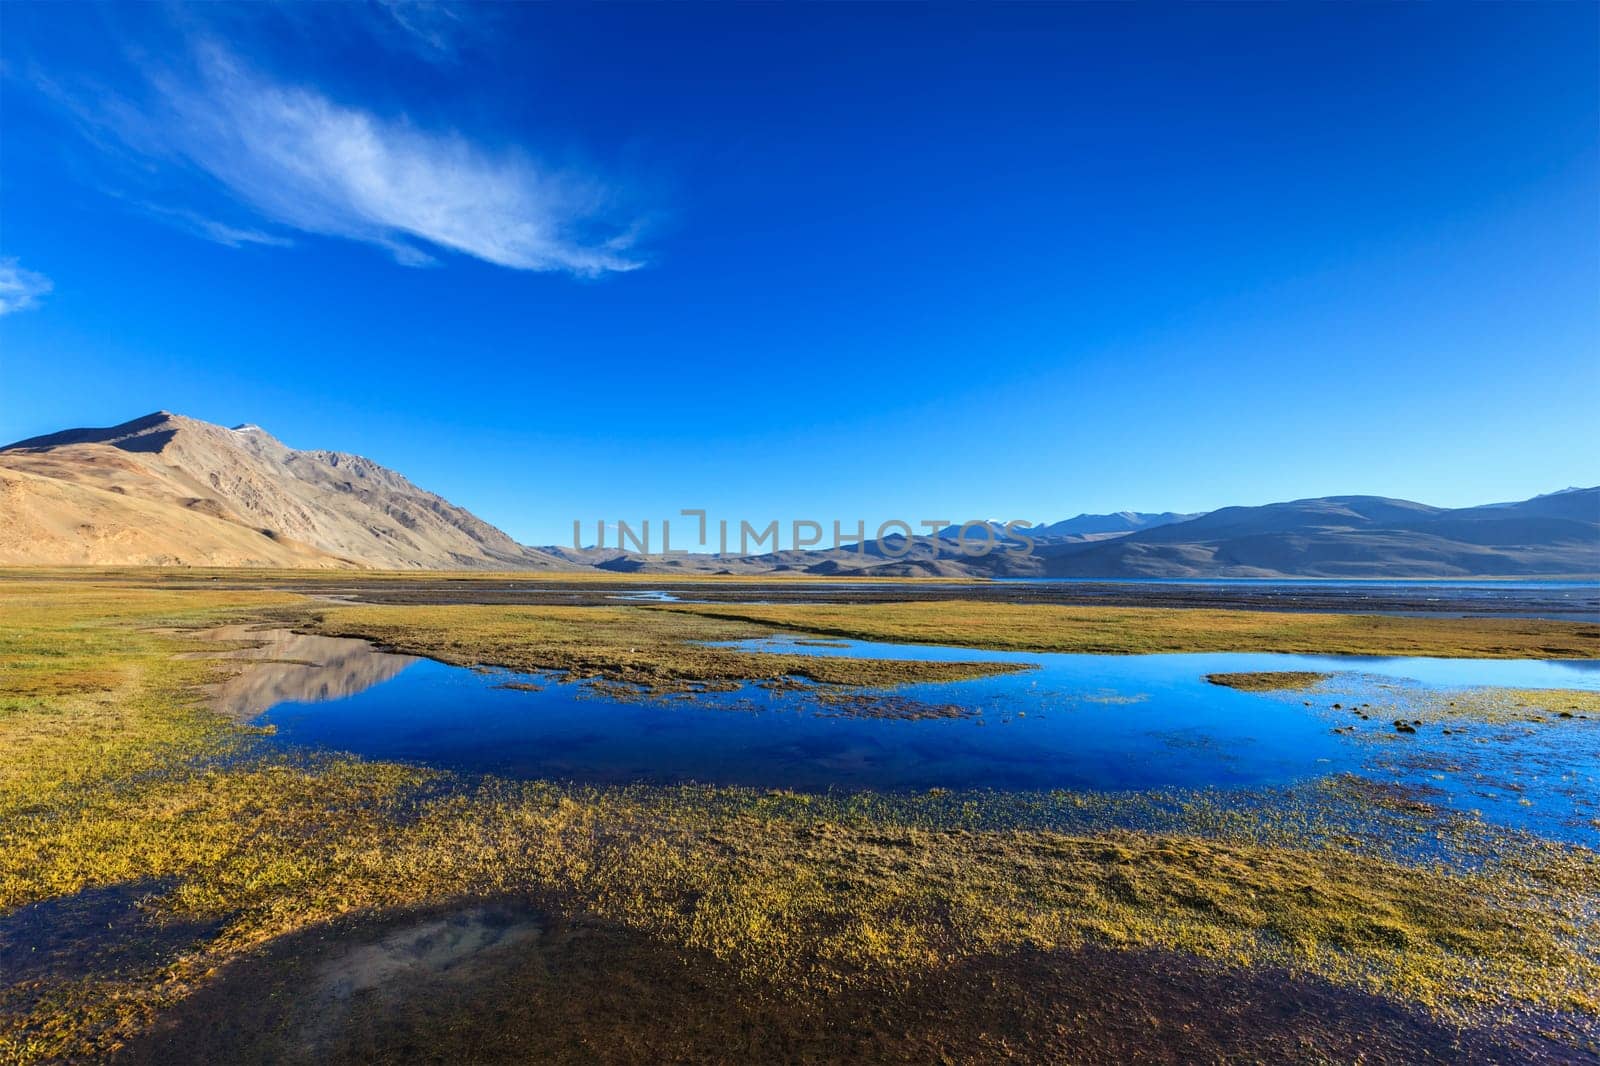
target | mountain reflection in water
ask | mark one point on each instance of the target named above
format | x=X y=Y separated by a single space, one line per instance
x=286 y=667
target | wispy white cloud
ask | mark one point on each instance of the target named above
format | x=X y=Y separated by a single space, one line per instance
x=306 y=162
x=212 y=230
x=20 y=289
x=431 y=26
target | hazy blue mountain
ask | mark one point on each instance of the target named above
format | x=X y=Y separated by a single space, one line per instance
x=1120 y=522
x=1357 y=536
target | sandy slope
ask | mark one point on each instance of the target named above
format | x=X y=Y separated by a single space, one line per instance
x=48 y=521
x=165 y=489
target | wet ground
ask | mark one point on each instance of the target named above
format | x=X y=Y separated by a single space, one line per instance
x=99 y=930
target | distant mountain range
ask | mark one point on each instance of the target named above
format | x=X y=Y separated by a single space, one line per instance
x=174 y=491
x=1356 y=536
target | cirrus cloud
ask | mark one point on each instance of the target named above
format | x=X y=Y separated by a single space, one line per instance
x=303 y=161
x=212 y=230
x=20 y=289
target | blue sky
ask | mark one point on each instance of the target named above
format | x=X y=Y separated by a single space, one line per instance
x=820 y=262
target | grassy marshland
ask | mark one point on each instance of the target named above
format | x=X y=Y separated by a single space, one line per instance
x=1146 y=630
x=1487 y=704
x=1499 y=705
x=618 y=644
x=113 y=772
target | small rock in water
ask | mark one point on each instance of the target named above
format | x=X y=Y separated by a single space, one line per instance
x=1402 y=726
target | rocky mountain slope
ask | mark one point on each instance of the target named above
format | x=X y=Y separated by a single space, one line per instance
x=170 y=490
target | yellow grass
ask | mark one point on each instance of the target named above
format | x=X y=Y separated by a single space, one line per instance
x=623 y=644
x=1144 y=630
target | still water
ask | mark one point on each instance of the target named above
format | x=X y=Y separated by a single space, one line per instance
x=1100 y=722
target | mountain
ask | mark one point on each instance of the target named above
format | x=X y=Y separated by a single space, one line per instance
x=1356 y=536
x=1101 y=525
x=1084 y=527
x=1329 y=537
x=170 y=490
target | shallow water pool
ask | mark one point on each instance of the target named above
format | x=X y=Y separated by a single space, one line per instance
x=1093 y=722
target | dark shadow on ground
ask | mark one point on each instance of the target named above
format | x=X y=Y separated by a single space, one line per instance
x=99 y=931
x=504 y=982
